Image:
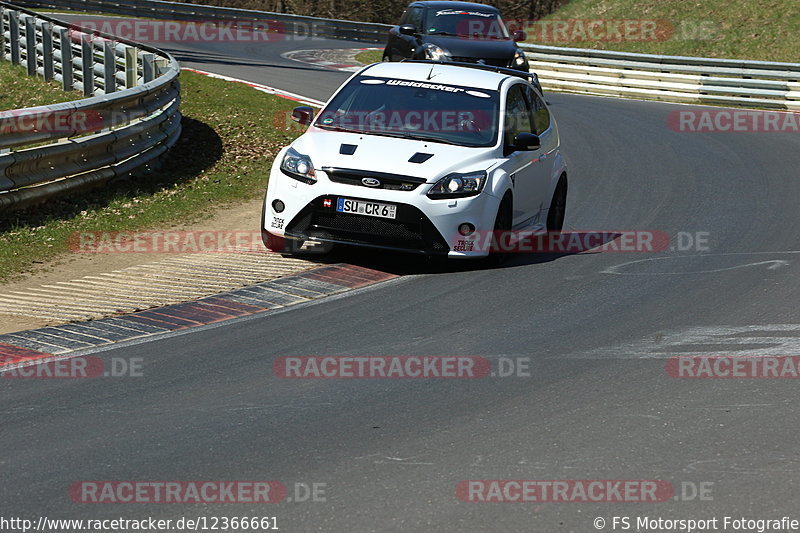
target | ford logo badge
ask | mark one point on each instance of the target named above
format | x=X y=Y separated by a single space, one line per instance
x=371 y=182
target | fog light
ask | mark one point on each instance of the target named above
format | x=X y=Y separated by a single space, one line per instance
x=278 y=206
x=466 y=229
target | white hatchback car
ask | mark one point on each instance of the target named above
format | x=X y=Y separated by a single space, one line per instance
x=419 y=157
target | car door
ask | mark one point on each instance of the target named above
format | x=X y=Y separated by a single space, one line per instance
x=549 y=145
x=395 y=38
x=407 y=44
x=528 y=173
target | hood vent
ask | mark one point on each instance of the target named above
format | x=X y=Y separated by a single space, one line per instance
x=420 y=157
x=348 y=149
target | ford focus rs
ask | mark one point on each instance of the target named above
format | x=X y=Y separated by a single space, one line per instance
x=420 y=157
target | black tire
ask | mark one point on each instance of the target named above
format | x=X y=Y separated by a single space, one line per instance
x=558 y=207
x=502 y=222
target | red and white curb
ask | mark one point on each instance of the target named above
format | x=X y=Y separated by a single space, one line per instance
x=342 y=60
x=41 y=345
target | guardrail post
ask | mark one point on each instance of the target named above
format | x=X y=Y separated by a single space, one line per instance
x=30 y=45
x=2 y=32
x=109 y=67
x=162 y=64
x=13 y=26
x=47 y=50
x=148 y=67
x=67 y=79
x=131 y=73
x=87 y=66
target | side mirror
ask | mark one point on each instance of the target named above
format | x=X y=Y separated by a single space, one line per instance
x=408 y=29
x=303 y=114
x=519 y=35
x=526 y=141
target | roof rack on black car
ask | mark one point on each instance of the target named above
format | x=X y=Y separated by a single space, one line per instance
x=530 y=76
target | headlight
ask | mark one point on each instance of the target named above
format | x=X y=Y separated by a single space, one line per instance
x=298 y=166
x=458 y=185
x=519 y=58
x=435 y=53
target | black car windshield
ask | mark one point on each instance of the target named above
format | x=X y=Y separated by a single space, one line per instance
x=473 y=24
x=415 y=110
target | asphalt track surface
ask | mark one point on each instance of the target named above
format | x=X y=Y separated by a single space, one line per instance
x=597 y=405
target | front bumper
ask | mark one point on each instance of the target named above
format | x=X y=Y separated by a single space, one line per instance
x=421 y=225
x=410 y=231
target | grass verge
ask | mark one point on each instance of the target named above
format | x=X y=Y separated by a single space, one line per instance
x=20 y=90
x=367 y=57
x=767 y=30
x=231 y=134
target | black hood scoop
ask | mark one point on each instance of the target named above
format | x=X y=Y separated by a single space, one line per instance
x=420 y=157
x=348 y=149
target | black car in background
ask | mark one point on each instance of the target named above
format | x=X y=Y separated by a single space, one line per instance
x=455 y=31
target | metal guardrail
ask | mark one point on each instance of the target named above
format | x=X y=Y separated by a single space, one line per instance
x=669 y=78
x=729 y=82
x=283 y=22
x=129 y=118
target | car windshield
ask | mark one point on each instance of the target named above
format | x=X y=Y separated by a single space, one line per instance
x=472 y=24
x=415 y=110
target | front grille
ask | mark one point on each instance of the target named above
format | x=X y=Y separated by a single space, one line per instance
x=490 y=62
x=368 y=226
x=393 y=182
x=410 y=231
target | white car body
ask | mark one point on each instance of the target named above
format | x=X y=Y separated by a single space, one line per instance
x=529 y=176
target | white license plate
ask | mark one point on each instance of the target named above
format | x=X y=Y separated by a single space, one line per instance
x=370 y=209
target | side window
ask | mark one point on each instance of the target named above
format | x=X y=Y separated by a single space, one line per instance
x=403 y=18
x=541 y=116
x=415 y=17
x=518 y=114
